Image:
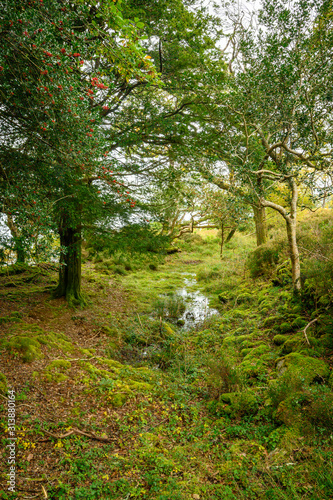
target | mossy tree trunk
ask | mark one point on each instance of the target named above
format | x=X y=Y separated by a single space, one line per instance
x=291 y=221
x=260 y=221
x=69 y=285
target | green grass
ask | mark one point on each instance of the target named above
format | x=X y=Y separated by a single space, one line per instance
x=219 y=412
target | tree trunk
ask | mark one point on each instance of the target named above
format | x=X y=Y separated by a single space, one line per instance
x=18 y=240
x=260 y=221
x=70 y=265
x=291 y=232
x=222 y=239
x=231 y=234
x=293 y=252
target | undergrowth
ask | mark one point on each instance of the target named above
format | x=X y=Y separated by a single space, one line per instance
x=239 y=407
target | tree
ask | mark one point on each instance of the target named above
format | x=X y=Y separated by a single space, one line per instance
x=60 y=64
x=275 y=115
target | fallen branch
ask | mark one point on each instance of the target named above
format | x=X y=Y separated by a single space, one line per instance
x=76 y=431
x=307 y=326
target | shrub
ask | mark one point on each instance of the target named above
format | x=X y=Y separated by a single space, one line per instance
x=222 y=376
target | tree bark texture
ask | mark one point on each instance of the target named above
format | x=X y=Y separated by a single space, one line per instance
x=70 y=264
x=260 y=221
x=291 y=220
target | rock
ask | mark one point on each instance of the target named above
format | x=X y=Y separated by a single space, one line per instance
x=310 y=369
x=280 y=339
x=240 y=403
x=196 y=497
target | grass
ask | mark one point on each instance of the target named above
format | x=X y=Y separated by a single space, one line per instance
x=167 y=414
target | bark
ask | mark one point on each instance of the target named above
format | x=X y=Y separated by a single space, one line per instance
x=291 y=221
x=70 y=264
x=222 y=239
x=260 y=221
x=231 y=234
x=294 y=254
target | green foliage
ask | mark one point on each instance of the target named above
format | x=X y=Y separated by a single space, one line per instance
x=262 y=261
x=171 y=306
x=222 y=376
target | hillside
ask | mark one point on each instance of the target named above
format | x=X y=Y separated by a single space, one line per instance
x=123 y=400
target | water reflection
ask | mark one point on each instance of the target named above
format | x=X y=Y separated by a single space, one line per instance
x=197 y=307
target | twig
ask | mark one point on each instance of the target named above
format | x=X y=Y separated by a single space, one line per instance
x=139 y=320
x=44 y=491
x=76 y=431
x=307 y=326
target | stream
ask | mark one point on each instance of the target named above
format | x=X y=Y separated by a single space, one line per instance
x=197 y=307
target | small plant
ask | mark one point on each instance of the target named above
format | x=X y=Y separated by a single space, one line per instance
x=222 y=376
x=169 y=307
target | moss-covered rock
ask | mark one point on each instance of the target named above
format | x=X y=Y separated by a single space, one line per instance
x=271 y=321
x=240 y=403
x=258 y=351
x=280 y=339
x=308 y=368
x=290 y=345
x=284 y=328
x=299 y=323
x=252 y=368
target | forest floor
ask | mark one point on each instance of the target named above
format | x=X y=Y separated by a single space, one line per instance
x=119 y=401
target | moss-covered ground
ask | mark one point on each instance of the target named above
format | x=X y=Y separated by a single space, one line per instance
x=116 y=401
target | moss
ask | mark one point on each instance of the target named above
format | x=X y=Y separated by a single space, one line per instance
x=330 y=380
x=3 y=384
x=256 y=352
x=222 y=298
x=111 y=331
x=119 y=399
x=240 y=403
x=306 y=367
x=229 y=340
x=245 y=352
x=240 y=339
x=299 y=323
x=28 y=347
x=284 y=327
x=247 y=344
x=271 y=321
x=244 y=298
x=280 y=339
x=54 y=372
x=290 y=345
x=252 y=449
x=14 y=317
x=252 y=368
